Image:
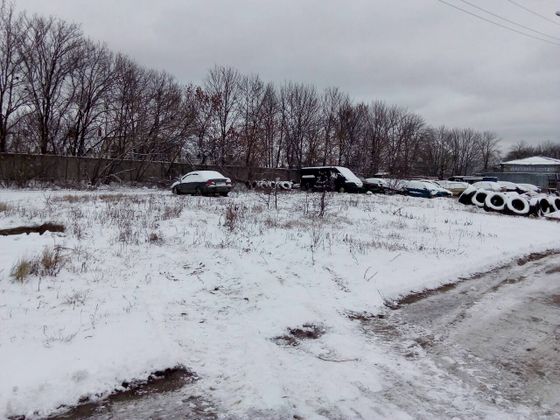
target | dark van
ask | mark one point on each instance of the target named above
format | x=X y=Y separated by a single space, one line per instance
x=330 y=178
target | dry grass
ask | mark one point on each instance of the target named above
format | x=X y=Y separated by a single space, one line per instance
x=232 y=216
x=49 y=263
x=155 y=238
x=23 y=269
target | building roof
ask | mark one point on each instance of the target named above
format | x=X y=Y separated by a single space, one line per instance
x=534 y=160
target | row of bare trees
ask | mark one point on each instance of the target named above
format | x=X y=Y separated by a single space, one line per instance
x=61 y=93
x=522 y=150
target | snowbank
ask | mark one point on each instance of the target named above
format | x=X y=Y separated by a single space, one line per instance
x=152 y=280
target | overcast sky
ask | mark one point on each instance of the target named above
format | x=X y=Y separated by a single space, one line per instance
x=450 y=67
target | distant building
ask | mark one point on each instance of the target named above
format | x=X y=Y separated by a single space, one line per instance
x=539 y=164
x=541 y=171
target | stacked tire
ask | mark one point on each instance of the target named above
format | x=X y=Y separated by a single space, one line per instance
x=511 y=203
x=272 y=185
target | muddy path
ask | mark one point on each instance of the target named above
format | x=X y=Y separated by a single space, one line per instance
x=164 y=395
x=487 y=347
x=496 y=335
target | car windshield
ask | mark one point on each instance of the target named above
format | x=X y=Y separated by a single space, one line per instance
x=349 y=175
x=418 y=185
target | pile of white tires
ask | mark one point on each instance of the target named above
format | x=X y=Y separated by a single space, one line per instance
x=511 y=203
x=272 y=185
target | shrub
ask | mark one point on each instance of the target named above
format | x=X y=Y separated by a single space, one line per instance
x=49 y=263
x=23 y=269
x=232 y=217
x=172 y=211
x=155 y=238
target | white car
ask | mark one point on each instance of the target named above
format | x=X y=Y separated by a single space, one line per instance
x=456 y=187
x=203 y=183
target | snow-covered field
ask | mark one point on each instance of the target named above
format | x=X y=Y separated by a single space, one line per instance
x=148 y=280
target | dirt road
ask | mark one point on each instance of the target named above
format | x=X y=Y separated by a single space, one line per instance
x=489 y=345
x=497 y=336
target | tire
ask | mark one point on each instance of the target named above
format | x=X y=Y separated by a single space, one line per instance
x=554 y=202
x=517 y=206
x=535 y=208
x=467 y=195
x=341 y=190
x=198 y=191
x=479 y=198
x=545 y=207
x=175 y=191
x=495 y=202
x=286 y=185
x=225 y=194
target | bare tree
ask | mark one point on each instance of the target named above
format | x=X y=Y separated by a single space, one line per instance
x=11 y=95
x=300 y=123
x=201 y=106
x=91 y=82
x=489 y=149
x=49 y=48
x=331 y=103
x=252 y=93
x=222 y=85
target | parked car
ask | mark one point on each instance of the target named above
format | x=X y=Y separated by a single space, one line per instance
x=375 y=185
x=424 y=189
x=330 y=178
x=467 y=179
x=456 y=187
x=203 y=183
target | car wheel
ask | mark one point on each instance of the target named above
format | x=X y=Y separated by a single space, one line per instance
x=341 y=190
x=175 y=191
x=198 y=191
x=225 y=194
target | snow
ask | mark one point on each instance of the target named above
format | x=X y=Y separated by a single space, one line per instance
x=153 y=280
x=349 y=175
x=534 y=160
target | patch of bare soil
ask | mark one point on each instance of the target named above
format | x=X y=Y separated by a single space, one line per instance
x=536 y=256
x=40 y=229
x=160 y=382
x=377 y=324
x=555 y=300
x=417 y=296
x=296 y=335
x=496 y=335
x=553 y=270
x=423 y=294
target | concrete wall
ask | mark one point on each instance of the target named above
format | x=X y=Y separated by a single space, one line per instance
x=68 y=169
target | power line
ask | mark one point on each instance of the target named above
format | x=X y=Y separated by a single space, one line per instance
x=509 y=21
x=499 y=24
x=533 y=12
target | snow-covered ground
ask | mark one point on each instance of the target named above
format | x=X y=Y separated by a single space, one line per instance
x=149 y=280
